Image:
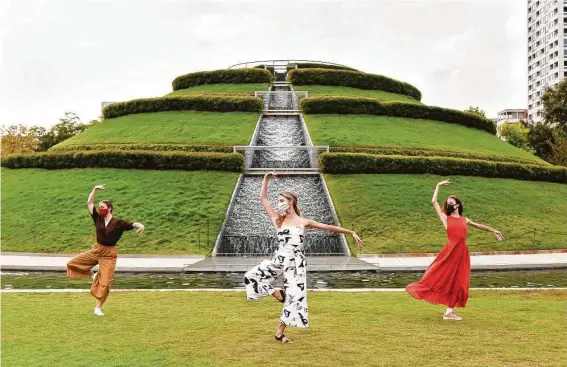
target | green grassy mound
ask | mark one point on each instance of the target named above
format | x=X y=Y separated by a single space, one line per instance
x=500 y=328
x=395 y=215
x=368 y=131
x=45 y=211
x=327 y=90
x=188 y=127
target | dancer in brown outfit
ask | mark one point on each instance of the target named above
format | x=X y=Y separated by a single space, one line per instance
x=108 y=231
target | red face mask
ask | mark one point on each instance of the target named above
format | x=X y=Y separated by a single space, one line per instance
x=103 y=212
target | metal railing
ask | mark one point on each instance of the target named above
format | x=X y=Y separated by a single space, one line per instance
x=297 y=93
x=282 y=62
x=281 y=158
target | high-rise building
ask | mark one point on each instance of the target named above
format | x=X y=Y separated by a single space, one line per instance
x=547 y=50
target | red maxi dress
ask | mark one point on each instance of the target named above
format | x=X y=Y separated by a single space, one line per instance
x=447 y=280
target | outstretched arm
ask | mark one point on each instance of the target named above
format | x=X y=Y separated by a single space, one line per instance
x=436 y=206
x=313 y=224
x=482 y=227
x=272 y=214
x=90 y=200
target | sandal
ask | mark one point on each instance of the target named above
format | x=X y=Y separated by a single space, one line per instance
x=284 y=339
x=452 y=316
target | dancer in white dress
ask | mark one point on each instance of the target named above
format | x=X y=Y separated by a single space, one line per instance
x=288 y=259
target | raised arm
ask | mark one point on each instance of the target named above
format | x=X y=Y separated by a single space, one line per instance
x=327 y=227
x=436 y=206
x=90 y=200
x=272 y=214
x=482 y=227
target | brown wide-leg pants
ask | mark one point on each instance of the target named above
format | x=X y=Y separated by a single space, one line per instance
x=80 y=267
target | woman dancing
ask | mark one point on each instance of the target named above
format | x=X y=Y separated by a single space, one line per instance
x=108 y=231
x=288 y=259
x=447 y=279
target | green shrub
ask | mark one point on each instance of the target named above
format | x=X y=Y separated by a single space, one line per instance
x=371 y=106
x=417 y=152
x=236 y=76
x=214 y=103
x=134 y=159
x=308 y=65
x=144 y=146
x=353 y=79
x=368 y=163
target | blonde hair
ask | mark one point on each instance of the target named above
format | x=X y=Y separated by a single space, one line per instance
x=293 y=198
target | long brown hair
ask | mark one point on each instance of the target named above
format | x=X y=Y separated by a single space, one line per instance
x=457 y=200
x=293 y=198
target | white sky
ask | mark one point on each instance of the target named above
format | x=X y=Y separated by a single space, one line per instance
x=70 y=55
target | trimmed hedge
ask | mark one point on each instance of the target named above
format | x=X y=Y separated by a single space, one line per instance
x=236 y=76
x=128 y=160
x=353 y=79
x=372 y=106
x=417 y=152
x=368 y=163
x=214 y=103
x=144 y=146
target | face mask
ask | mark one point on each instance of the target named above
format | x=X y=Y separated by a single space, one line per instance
x=102 y=212
x=452 y=208
x=283 y=207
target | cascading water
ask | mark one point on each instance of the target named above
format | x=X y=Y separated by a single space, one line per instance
x=247 y=229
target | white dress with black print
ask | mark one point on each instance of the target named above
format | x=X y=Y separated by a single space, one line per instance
x=289 y=260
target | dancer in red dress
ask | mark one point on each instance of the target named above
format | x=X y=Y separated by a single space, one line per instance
x=447 y=279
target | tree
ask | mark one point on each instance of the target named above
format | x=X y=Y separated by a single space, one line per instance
x=18 y=139
x=559 y=150
x=515 y=134
x=555 y=105
x=549 y=137
x=541 y=138
x=476 y=111
x=68 y=126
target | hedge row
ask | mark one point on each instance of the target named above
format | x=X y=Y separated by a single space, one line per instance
x=309 y=65
x=372 y=106
x=420 y=152
x=368 y=163
x=215 y=103
x=127 y=160
x=236 y=76
x=353 y=79
x=144 y=146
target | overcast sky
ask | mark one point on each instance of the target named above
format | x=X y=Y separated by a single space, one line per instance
x=70 y=55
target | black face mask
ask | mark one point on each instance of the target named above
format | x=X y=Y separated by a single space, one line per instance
x=452 y=208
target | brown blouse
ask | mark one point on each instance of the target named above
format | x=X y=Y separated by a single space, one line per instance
x=108 y=235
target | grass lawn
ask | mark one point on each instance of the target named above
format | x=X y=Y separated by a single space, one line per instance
x=365 y=130
x=194 y=127
x=395 y=214
x=45 y=211
x=222 y=88
x=321 y=90
x=224 y=329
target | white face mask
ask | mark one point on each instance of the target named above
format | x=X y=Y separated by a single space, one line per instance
x=283 y=207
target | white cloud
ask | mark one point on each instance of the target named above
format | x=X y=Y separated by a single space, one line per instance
x=61 y=55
